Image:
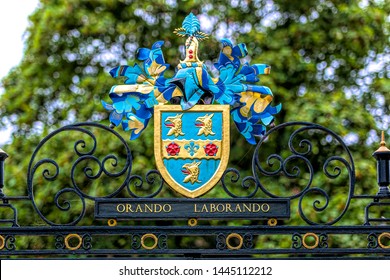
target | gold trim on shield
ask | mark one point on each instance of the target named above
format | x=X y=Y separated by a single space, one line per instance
x=225 y=147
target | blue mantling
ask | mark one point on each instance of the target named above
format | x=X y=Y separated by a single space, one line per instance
x=192 y=84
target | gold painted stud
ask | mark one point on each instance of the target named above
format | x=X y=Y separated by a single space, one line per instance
x=383 y=235
x=192 y=222
x=70 y=236
x=147 y=236
x=272 y=222
x=112 y=222
x=2 y=242
x=231 y=237
x=316 y=242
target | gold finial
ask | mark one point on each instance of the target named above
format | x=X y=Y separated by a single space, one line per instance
x=383 y=143
x=383 y=147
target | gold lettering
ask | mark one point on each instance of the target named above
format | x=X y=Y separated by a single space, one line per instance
x=148 y=208
x=120 y=208
x=221 y=208
x=195 y=209
x=157 y=208
x=229 y=208
x=138 y=209
x=247 y=207
x=265 y=207
x=167 y=208
x=256 y=208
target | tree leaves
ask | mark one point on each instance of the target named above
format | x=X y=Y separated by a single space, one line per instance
x=321 y=53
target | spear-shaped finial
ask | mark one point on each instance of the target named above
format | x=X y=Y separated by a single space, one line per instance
x=383 y=147
x=383 y=143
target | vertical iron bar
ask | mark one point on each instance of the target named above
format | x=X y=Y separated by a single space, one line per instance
x=382 y=155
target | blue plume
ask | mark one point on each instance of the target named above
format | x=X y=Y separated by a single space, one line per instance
x=226 y=42
x=143 y=53
x=157 y=45
x=240 y=51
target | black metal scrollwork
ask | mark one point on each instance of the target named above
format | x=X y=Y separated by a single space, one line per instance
x=87 y=242
x=154 y=180
x=135 y=242
x=296 y=241
x=372 y=239
x=163 y=241
x=323 y=240
x=297 y=163
x=248 y=183
x=85 y=157
x=59 y=242
x=221 y=241
x=248 y=241
x=10 y=242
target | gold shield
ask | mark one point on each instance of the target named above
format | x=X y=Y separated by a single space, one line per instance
x=192 y=147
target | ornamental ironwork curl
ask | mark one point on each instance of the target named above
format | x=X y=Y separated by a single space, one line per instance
x=135 y=241
x=248 y=184
x=162 y=241
x=59 y=242
x=292 y=163
x=10 y=242
x=153 y=179
x=296 y=239
x=221 y=241
x=87 y=242
x=248 y=241
x=323 y=240
x=372 y=239
x=84 y=157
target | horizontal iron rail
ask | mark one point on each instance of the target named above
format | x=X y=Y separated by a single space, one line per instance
x=322 y=251
x=188 y=230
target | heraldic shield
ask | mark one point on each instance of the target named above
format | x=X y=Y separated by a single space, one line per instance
x=191 y=147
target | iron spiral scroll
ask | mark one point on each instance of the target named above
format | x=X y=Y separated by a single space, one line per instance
x=302 y=150
x=299 y=167
x=295 y=162
x=93 y=165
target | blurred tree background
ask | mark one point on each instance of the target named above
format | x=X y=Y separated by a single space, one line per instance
x=330 y=65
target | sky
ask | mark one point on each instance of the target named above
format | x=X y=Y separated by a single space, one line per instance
x=13 y=23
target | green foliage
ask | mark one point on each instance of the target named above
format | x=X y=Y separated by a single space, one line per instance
x=328 y=63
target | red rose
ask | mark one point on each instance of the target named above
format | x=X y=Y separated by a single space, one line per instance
x=173 y=149
x=211 y=149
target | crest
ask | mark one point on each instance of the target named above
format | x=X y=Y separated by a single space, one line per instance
x=191 y=147
x=192 y=108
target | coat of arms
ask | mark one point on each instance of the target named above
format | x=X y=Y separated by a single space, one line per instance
x=191 y=131
x=191 y=147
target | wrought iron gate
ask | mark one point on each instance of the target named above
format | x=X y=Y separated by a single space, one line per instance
x=275 y=210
